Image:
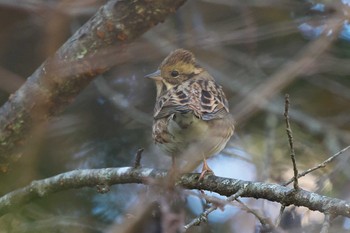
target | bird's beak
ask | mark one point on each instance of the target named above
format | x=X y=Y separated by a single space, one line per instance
x=155 y=76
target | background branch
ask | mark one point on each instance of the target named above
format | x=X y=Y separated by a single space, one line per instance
x=60 y=78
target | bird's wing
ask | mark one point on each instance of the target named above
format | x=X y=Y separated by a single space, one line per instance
x=204 y=98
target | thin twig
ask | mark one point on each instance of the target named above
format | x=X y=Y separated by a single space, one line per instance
x=290 y=139
x=326 y=224
x=137 y=163
x=204 y=216
x=321 y=165
x=265 y=222
x=278 y=220
x=220 y=203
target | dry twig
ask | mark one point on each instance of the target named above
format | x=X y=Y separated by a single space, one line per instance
x=290 y=140
x=278 y=220
x=138 y=157
x=321 y=165
x=265 y=222
x=204 y=216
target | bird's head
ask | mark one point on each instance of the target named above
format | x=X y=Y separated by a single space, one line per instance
x=178 y=67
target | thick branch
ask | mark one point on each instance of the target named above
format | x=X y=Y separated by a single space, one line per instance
x=59 y=79
x=224 y=186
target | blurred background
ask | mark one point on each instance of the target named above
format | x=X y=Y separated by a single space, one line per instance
x=257 y=50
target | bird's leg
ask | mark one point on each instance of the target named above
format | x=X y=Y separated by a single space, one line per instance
x=205 y=169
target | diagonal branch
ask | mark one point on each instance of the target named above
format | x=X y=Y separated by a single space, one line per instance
x=60 y=78
x=318 y=166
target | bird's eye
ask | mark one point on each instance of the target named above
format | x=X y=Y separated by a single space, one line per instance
x=174 y=73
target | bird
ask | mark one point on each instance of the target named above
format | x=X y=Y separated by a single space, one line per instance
x=191 y=120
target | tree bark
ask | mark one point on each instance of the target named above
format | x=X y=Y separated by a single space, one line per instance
x=102 y=179
x=60 y=78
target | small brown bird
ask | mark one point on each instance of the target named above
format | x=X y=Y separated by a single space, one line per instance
x=191 y=116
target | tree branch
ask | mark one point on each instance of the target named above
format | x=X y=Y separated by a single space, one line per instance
x=224 y=186
x=60 y=78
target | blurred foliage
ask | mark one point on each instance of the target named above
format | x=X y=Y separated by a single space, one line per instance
x=241 y=43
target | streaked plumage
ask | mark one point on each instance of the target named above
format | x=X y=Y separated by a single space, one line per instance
x=191 y=114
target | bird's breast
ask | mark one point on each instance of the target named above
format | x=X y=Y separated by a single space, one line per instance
x=177 y=132
x=187 y=127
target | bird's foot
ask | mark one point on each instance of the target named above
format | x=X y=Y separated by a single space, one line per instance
x=205 y=170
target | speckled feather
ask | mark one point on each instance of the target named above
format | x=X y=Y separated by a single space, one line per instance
x=199 y=95
x=191 y=108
